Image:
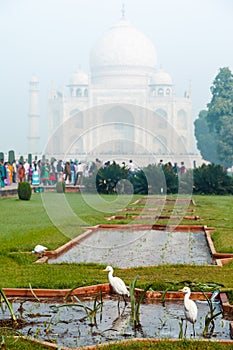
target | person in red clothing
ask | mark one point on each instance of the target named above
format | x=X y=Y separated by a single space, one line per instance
x=21 y=173
x=67 y=172
x=182 y=168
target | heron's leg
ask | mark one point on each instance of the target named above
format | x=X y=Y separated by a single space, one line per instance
x=118 y=304
x=186 y=324
x=194 y=330
x=125 y=300
x=122 y=313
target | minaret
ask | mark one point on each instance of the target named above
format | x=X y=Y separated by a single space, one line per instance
x=34 y=117
x=123 y=11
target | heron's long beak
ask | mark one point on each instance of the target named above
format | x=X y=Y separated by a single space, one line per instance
x=104 y=270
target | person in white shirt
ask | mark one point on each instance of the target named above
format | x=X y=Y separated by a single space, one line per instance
x=79 y=173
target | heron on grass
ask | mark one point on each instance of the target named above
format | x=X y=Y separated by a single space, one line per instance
x=190 y=309
x=39 y=249
x=118 y=285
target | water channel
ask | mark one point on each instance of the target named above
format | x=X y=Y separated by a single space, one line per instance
x=132 y=248
x=69 y=325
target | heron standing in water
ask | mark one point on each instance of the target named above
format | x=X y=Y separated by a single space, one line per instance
x=190 y=309
x=118 y=285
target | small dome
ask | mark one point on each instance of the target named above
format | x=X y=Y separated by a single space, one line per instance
x=79 y=78
x=123 y=45
x=161 y=78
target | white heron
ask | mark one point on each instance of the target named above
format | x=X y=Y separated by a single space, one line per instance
x=190 y=308
x=117 y=284
x=39 y=249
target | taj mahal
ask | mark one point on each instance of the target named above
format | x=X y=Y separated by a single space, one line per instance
x=125 y=108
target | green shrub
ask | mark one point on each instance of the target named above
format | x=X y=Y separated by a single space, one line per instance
x=212 y=179
x=2 y=156
x=171 y=179
x=24 y=190
x=29 y=158
x=159 y=178
x=108 y=177
x=11 y=156
x=60 y=187
x=139 y=182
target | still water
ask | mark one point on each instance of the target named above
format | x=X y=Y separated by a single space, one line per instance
x=126 y=248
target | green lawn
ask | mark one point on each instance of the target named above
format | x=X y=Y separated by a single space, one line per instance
x=24 y=224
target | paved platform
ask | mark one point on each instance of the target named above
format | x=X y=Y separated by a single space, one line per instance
x=10 y=187
x=12 y=190
x=8 y=191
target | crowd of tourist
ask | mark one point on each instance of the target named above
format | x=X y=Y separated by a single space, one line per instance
x=44 y=172
x=175 y=167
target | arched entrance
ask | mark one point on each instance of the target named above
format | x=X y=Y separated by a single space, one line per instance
x=120 y=126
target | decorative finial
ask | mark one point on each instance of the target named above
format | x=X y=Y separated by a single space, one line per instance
x=123 y=11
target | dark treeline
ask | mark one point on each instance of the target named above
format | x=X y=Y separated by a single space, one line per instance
x=157 y=179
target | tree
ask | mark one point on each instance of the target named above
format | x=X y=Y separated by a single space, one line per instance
x=220 y=114
x=225 y=143
x=206 y=139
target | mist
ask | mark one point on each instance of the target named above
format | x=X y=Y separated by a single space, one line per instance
x=52 y=39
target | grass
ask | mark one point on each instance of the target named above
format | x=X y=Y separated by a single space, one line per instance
x=24 y=224
x=216 y=211
x=20 y=344
x=30 y=225
x=185 y=344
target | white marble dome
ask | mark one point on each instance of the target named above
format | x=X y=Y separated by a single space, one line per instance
x=161 y=78
x=121 y=46
x=79 y=78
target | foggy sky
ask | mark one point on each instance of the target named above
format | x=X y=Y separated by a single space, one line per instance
x=53 y=38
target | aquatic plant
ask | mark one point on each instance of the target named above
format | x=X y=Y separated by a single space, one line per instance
x=33 y=293
x=48 y=325
x=9 y=306
x=163 y=296
x=135 y=304
x=210 y=317
x=3 y=343
x=181 y=328
x=91 y=312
